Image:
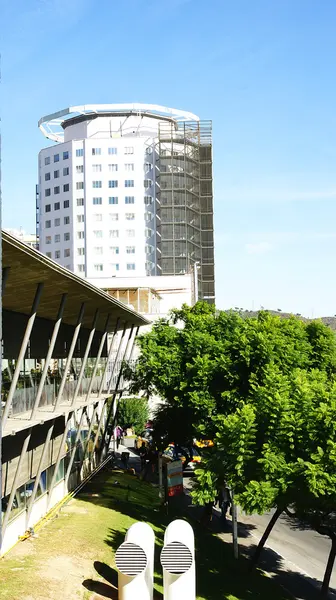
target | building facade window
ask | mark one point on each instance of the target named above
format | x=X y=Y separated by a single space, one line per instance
x=57 y=222
x=67 y=252
x=66 y=237
x=66 y=203
x=57 y=254
x=80 y=201
x=81 y=251
x=57 y=189
x=81 y=268
x=148 y=200
x=98 y=267
x=114 y=267
x=56 y=158
x=65 y=155
x=98 y=249
x=98 y=233
x=80 y=218
x=96 y=168
x=66 y=171
x=113 y=183
x=57 y=205
x=48 y=254
x=130 y=266
x=128 y=150
x=114 y=233
x=113 y=167
x=97 y=184
x=129 y=199
x=66 y=220
x=47 y=177
x=129 y=182
x=113 y=151
x=147 y=167
x=48 y=239
x=79 y=152
x=114 y=249
x=48 y=208
x=47 y=160
x=130 y=216
x=48 y=224
x=57 y=238
x=113 y=200
x=79 y=168
x=148 y=184
x=47 y=192
x=97 y=200
x=98 y=217
x=130 y=232
x=130 y=249
x=66 y=187
x=129 y=166
x=56 y=174
x=96 y=151
x=79 y=185
x=114 y=217
x=80 y=235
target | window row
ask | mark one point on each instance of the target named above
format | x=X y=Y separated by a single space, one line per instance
x=66 y=253
x=57 y=205
x=98 y=200
x=57 y=190
x=57 y=238
x=113 y=233
x=47 y=159
x=111 y=216
x=57 y=222
x=47 y=176
x=112 y=266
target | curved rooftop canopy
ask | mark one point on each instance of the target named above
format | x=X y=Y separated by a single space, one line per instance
x=24 y=268
x=52 y=126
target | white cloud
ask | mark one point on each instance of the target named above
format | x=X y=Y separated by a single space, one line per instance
x=258 y=248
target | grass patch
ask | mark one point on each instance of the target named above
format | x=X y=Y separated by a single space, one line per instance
x=73 y=556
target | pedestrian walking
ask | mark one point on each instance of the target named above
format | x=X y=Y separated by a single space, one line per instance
x=224 y=500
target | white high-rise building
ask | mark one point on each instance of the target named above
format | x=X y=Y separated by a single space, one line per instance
x=100 y=194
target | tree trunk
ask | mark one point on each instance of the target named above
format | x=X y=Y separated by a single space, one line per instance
x=329 y=569
x=256 y=555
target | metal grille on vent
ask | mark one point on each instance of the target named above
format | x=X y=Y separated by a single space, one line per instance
x=130 y=559
x=176 y=558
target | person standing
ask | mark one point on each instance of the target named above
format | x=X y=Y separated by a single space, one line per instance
x=224 y=500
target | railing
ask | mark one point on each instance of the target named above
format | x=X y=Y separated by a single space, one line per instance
x=24 y=398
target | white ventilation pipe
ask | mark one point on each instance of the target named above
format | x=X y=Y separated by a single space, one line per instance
x=135 y=563
x=178 y=562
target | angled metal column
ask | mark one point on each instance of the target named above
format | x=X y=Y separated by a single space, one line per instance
x=114 y=404
x=100 y=422
x=100 y=350
x=49 y=355
x=14 y=484
x=39 y=471
x=71 y=351
x=109 y=357
x=86 y=445
x=22 y=353
x=114 y=368
x=85 y=357
x=72 y=457
x=59 y=455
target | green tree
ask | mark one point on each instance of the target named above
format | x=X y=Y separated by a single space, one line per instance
x=133 y=412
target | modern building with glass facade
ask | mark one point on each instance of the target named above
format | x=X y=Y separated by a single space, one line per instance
x=126 y=190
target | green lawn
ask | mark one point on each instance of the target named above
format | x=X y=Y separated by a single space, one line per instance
x=73 y=556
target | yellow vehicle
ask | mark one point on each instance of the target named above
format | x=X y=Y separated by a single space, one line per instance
x=204 y=443
x=144 y=438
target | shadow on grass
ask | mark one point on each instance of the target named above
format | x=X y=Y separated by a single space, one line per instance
x=219 y=575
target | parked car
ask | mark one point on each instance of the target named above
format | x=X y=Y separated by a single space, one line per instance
x=188 y=469
x=204 y=443
x=145 y=437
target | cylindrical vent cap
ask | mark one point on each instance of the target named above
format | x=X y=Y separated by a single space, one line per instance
x=130 y=559
x=176 y=558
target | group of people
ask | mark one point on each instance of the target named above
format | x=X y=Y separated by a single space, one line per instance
x=148 y=459
x=224 y=502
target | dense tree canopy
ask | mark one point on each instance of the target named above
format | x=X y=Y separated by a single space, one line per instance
x=133 y=412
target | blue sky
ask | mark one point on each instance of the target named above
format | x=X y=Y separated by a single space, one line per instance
x=263 y=71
